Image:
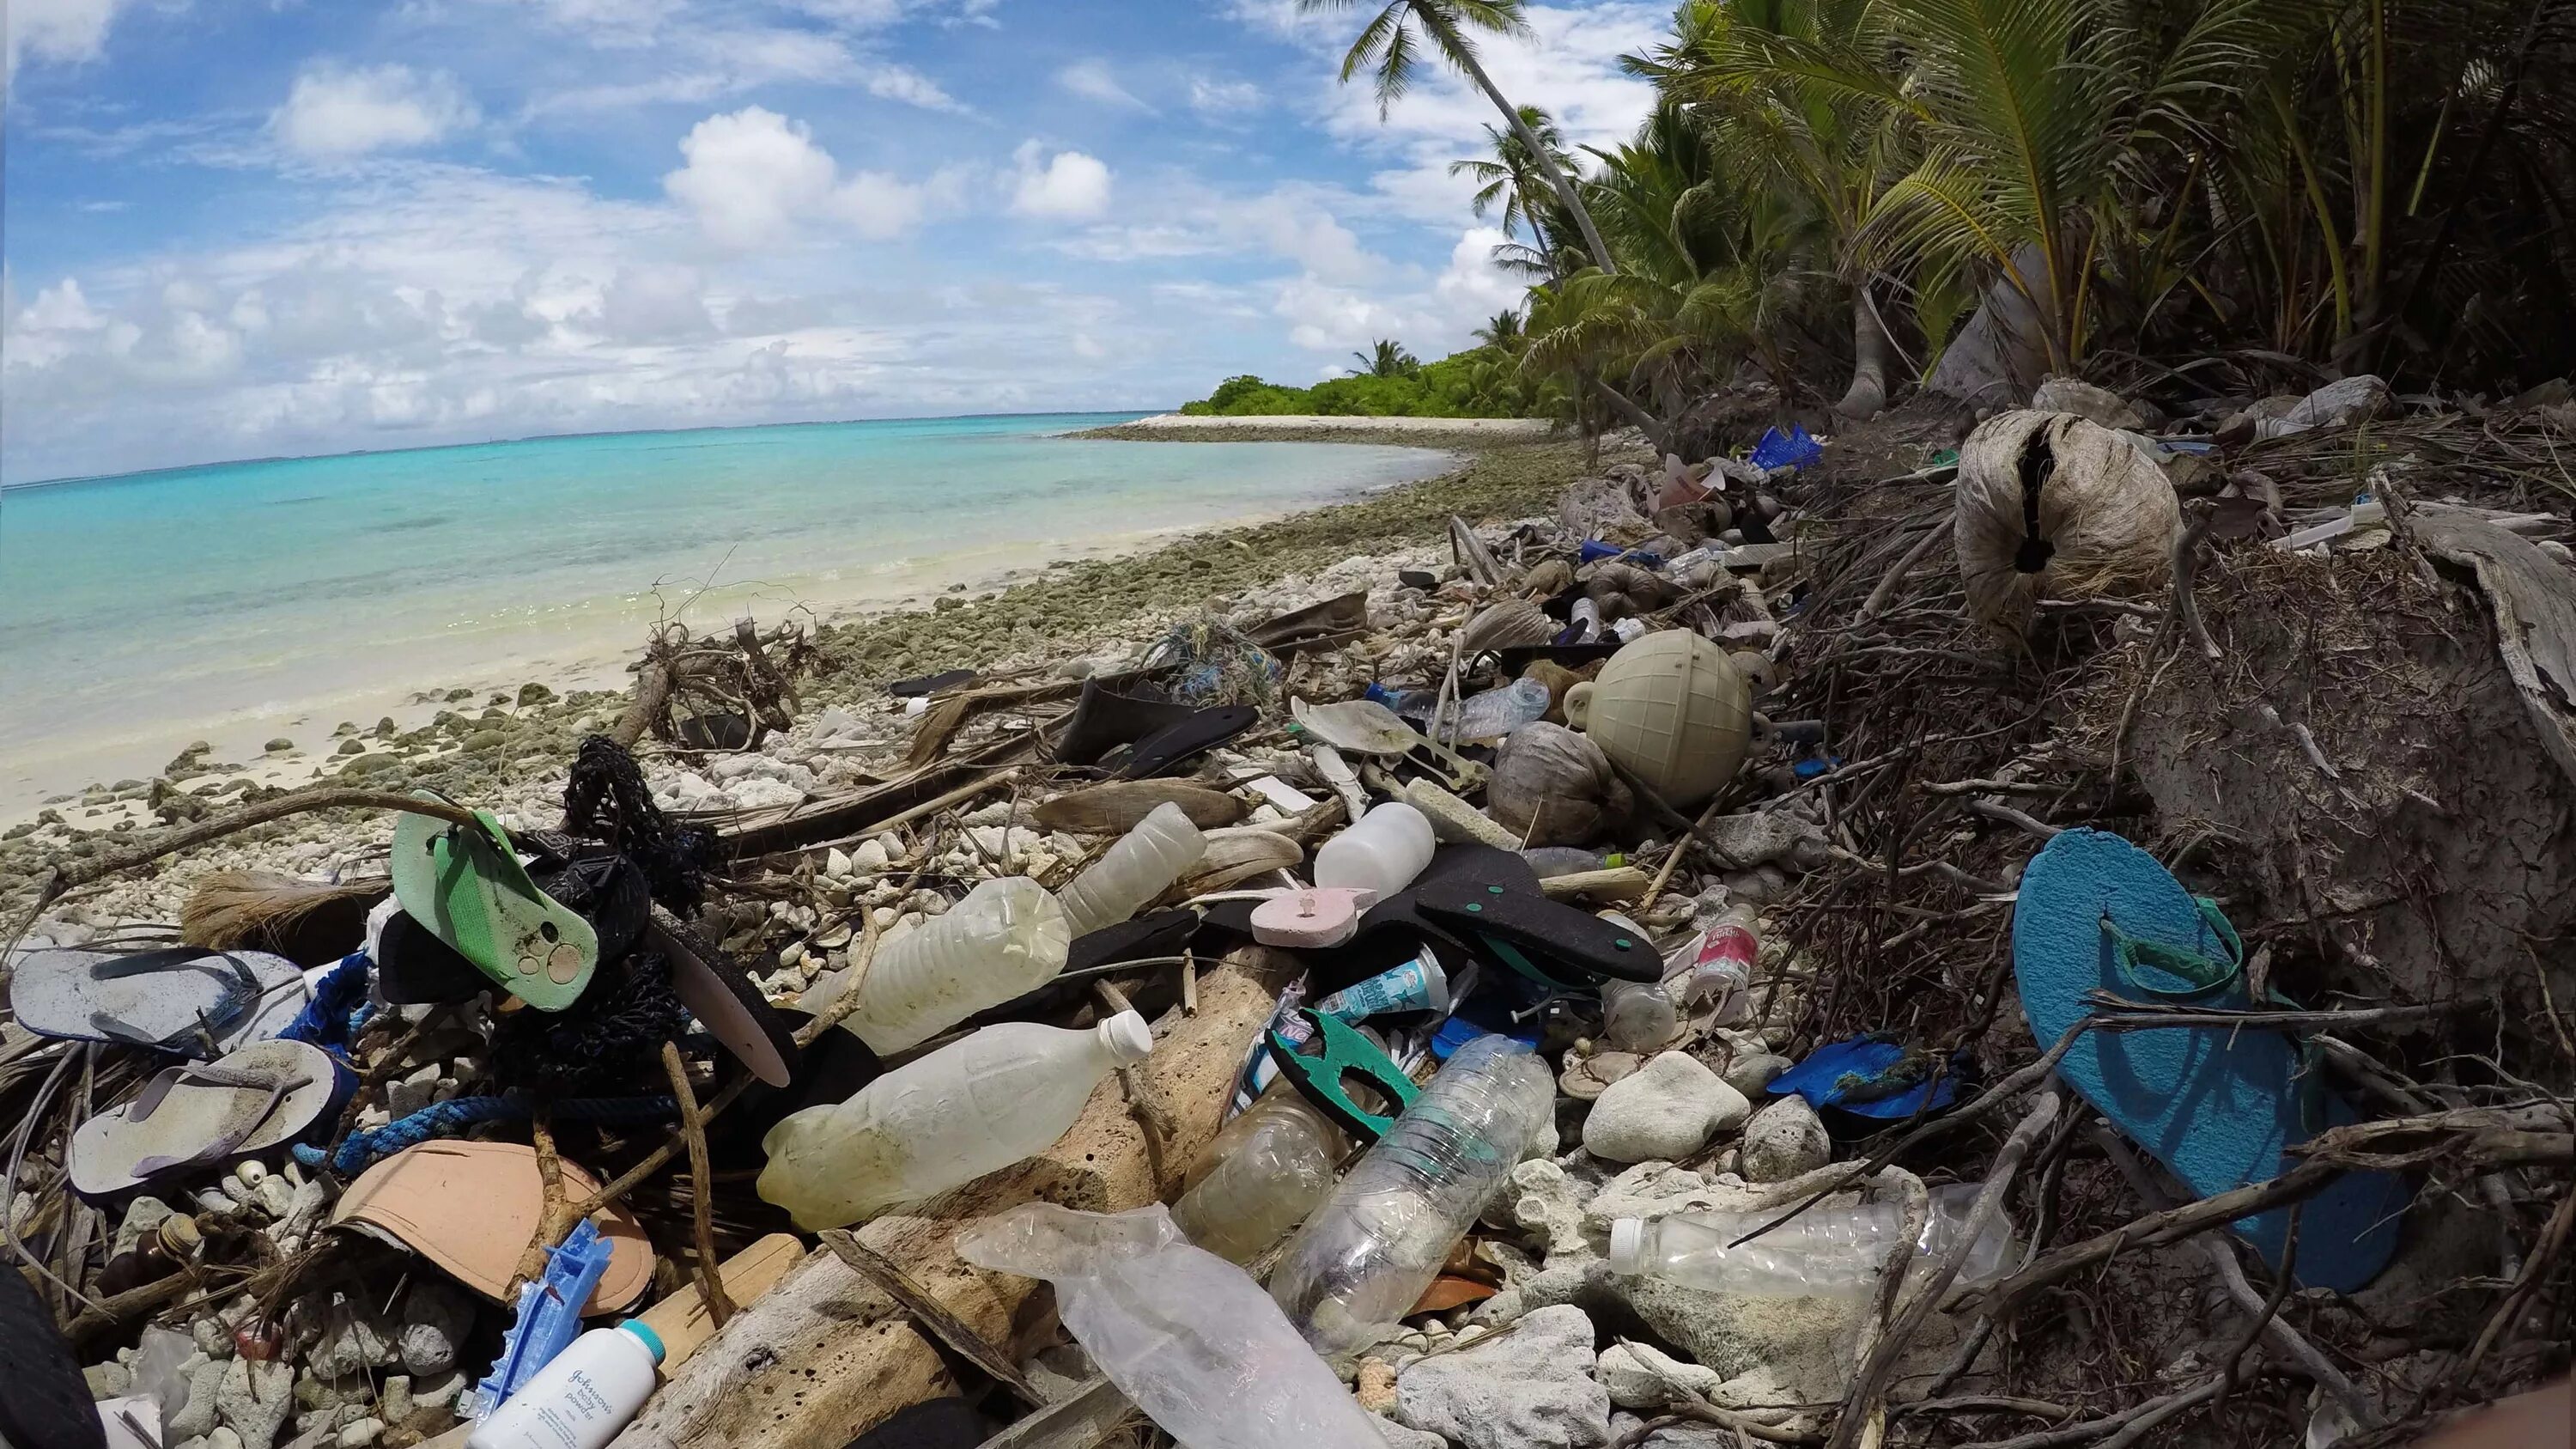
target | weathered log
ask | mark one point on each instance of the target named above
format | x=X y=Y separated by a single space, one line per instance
x=825 y=1354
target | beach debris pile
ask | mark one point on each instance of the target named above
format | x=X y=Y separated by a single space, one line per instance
x=2052 y=939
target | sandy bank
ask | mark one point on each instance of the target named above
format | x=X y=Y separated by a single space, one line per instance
x=1312 y=427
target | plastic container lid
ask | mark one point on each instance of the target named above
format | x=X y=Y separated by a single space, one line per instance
x=643 y=1333
x=1128 y=1038
x=1627 y=1245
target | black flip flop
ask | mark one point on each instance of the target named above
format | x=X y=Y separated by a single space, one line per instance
x=1167 y=749
x=1547 y=941
x=415 y=968
x=723 y=999
x=924 y=684
x=1103 y=719
x=48 y=1404
x=1395 y=929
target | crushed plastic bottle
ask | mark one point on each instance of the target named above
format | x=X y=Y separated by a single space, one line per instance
x=1824 y=1252
x=972 y=1107
x=1497 y=712
x=1141 y=866
x=1185 y=1334
x=1364 y=1258
x=1717 y=966
x=1006 y=939
x=1637 y=1016
x=1261 y=1176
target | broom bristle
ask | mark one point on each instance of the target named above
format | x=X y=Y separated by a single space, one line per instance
x=254 y=910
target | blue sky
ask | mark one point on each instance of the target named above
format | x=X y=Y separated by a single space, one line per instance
x=237 y=228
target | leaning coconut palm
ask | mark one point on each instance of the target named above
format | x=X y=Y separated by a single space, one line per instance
x=1511 y=183
x=1387 y=358
x=1389 y=45
x=1503 y=332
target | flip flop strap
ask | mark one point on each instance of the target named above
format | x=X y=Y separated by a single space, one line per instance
x=2205 y=976
x=242 y=990
x=223 y=1143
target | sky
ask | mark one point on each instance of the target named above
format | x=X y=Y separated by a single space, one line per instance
x=250 y=228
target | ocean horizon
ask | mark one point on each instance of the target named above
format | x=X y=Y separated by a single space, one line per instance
x=239 y=601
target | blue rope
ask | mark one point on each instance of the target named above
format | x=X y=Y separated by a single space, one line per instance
x=452 y=1118
x=335 y=1011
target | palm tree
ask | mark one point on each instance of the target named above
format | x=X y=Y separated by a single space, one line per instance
x=1511 y=181
x=1389 y=43
x=1502 y=331
x=1387 y=358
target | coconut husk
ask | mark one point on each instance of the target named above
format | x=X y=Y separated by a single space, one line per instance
x=1510 y=624
x=1237 y=855
x=2052 y=506
x=1554 y=786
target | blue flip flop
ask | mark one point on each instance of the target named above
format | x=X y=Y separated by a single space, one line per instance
x=2216 y=1106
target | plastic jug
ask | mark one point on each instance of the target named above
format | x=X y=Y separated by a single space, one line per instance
x=1261 y=1176
x=972 y=1107
x=1006 y=939
x=1185 y=1334
x=1824 y=1252
x=1383 y=852
x=1367 y=1254
x=1141 y=866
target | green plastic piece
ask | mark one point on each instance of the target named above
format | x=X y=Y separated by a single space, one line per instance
x=465 y=883
x=1340 y=1050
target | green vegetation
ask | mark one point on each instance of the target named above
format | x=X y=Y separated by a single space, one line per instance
x=2185 y=197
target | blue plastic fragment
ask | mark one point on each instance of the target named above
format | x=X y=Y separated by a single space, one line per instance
x=1869 y=1076
x=1594 y=551
x=549 y=1316
x=1797 y=450
x=1814 y=765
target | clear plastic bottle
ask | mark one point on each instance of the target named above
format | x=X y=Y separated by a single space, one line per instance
x=1824 y=1252
x=1006 y=939
x=1261 y=1176
x=1384 y=852
x=1365 y=1256
x=1498 y=712
x=1141 y=866
x=582 y=1398
x=972 y=1107
x=1717 y=966
x=1637 y=1016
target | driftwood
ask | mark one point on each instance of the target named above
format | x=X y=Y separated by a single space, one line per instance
x=680 y=669
x=825 y=1355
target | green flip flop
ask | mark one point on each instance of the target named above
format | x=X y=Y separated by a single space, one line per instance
x=466 y=885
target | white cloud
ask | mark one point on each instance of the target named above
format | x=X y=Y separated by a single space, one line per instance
x=1068 y=186
x=1092 y=80
x=754 y=176
x=63 y=31
x=337 y=111
x=1223 y=99
x=891 y=82
x=649 y=303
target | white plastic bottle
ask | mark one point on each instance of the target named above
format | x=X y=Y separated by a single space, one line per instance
x=1006 y=939
x=1141 y=866
x=972 y=1107
x=583 y=1398
x=1384 y=852
x=1824 y=1252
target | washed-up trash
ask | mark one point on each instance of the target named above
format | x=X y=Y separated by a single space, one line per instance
x=1310 y=918
x=1142 y=865
x=182 y=999
x=926 y=684
x=1824 y=1252
x=1716 y=967
x=192 y=1119
x=1104 y=719
x=1187 y=1335
x=1364 y=1258
x=1261 y=1175
x=1007 y=938
x=548 y=1318
x=1594 y=551
x=974 y=1106
x=472 y=1207
x=1453 y=820
x=1554 y=945
x=1872 y=1076
x=2219 y=1106
x=47 y=1404
x=2050 y=506
x=1418 y=985
x=309 y=923
x=1176 y=744
x=1118 y=806
x=583 y=1398
x=1554 y=786
x=1508 y=624
x=1321 y=1055
x=1366 y=727
x=1638 y=1016
x=467 y=886
x=1381 y=854
x=1327 y=622
x=726 y=1003
x=1797 y=450
x=1670 y=710
x=1495 y=712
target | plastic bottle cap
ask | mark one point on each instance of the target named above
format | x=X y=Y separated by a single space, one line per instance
x=1128 y=1038
x=644 y=1334
x=1627 y=1245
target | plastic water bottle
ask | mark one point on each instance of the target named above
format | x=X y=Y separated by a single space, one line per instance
x=1141 y=866
x=1364 y=1258
x=1824 y=1252
x=583 y=1397
x=1261 y=1176
x=1498 y=712
x=1185 y=1334
x=1718 y=965
x=1586 y=616
x=1006 y=939
x=1384 y=852
x=1637 y=1016
x=972 y=1107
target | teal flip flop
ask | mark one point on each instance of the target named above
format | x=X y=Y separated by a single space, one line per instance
x=468 y=887
x=2218 y=1107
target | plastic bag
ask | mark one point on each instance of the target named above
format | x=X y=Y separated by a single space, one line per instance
x=1187 y=1335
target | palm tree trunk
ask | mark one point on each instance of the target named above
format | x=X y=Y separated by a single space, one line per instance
x=1626 y=407
x=1867 y=395
x=1555 y=174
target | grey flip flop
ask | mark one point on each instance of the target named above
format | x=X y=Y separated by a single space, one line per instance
x=182 y=999
x=204 y=1115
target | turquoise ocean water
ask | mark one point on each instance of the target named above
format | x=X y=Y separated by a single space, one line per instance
x=224 y=601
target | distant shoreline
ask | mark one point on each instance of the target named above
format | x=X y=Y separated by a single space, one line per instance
x=1320 y=428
